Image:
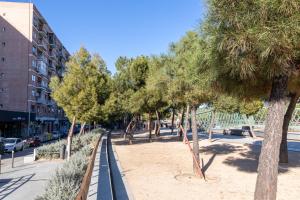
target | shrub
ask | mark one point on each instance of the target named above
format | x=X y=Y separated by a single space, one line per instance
x=65 y=184
x=51 y=151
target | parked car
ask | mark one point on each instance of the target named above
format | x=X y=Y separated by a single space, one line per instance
x=26 y=144
x=13 y=144
x=34 y=142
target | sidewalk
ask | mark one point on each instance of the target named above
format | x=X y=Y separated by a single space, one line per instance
x=26 y=181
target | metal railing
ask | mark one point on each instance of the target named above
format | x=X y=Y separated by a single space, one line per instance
x=235 y=120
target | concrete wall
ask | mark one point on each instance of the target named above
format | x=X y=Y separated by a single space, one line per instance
x=15 y=18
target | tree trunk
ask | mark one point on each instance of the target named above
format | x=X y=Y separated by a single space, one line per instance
x=211 y=125
x=172 y=121
x=157 y=131
x=251 y=131
x=132 y=129
x=266 y=183
x=70 y=135
x=283 y=156
x=128 y=129
x=155 y=127
x=82 y=128
x=187 y=116
x=150 y=128
x=181 y=122
x=195 y=141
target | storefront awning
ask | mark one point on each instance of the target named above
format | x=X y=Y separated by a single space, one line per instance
x=11 y=116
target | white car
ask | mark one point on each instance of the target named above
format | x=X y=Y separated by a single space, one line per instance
x=13 y=144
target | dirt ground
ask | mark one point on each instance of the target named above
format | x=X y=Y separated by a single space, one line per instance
x=162 y=169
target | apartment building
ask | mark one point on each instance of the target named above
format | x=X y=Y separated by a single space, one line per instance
x=30 y=54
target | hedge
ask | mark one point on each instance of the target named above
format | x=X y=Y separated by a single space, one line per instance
x=65 y=183
x=51 y=151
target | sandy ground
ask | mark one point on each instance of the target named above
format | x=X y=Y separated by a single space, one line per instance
x=162 y=169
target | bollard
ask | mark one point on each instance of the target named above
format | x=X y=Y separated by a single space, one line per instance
x=62 y=152
x=12 y=159
x=34 y=154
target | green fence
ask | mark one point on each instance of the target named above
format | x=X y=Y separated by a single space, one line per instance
x=236 y=120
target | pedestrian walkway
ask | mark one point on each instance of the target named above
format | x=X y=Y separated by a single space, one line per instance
x=26 y=181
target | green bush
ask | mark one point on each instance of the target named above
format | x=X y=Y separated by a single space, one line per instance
x=51 y=151
x=65 y=184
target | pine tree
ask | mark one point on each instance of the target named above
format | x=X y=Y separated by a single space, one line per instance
x=255 y=50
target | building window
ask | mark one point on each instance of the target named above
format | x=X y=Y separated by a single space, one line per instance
x=1 y=105
x=33 y=93
x=32 y=108
x=34 y=50
x=3 y=59
x=33 y=78
x=35 y=21
x=1 y=75
x=3 y=29
x=3 y=44
x=1 y=89
x=33 y=63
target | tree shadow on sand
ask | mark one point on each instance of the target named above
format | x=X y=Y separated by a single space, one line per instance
x=247 y=158
x=142 y=138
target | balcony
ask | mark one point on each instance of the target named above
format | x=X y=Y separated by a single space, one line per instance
x=51 y=67
x=42 y=67
x=42 y=44
x=52 y=54
x=50 y=103
x=42 y=86
x=52 y=43
x=41 y=29
x=43 y=58
x=41 y=100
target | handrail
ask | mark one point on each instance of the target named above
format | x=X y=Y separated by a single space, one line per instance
x=199 y=170
x=84 y=188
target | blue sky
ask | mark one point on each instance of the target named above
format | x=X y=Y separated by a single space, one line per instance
x=116 y=28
